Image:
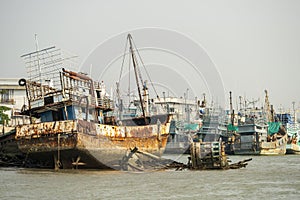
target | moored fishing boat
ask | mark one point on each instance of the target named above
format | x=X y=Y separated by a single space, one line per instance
x=72 y=123
x=293 y=144
x=274 y=143
x=250 y=134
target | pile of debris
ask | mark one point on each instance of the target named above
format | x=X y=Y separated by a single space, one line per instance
x=204 y=156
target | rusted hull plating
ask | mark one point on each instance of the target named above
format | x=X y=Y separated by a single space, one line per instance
x=87 y=144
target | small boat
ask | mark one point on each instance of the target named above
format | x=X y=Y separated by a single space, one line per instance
x=293 y=143
x=274 y=143
x=293 y=131
x=72 y=121
x=276 y=140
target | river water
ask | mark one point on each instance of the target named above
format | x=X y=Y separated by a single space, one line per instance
x=268 y=177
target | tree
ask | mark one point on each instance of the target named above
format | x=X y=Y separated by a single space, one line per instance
x=3 y=116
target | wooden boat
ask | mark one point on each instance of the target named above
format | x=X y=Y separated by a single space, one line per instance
x=77 y=127
x=274 y=143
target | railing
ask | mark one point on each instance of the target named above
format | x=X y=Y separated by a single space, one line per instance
x=105 y=103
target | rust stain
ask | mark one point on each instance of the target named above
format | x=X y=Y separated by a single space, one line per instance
x=37 y=130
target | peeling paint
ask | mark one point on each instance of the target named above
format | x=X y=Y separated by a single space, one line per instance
x=40 y=129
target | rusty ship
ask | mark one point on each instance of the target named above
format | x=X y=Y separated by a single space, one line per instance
x=73 y=123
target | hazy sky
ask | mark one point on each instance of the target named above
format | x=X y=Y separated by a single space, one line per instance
x=255 y=45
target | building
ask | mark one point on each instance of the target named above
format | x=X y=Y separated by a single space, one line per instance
x=13 y=96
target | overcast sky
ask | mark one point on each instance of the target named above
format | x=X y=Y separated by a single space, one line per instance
x=255 y=45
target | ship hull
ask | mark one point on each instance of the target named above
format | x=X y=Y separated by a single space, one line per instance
x=292 y=149
x=10 y=154
x=82 y=144
x=277 y=147
x=246 y=152
x=247 y=141
x=247 y=145
x=252 y=140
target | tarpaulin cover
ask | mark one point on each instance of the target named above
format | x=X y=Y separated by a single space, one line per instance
x=192 y=127
x=230 y=127
x=273 y=127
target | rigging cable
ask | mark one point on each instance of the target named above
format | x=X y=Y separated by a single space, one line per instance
x=121 y=72
x=145 y=69
x=129 y=67
x=122 y=66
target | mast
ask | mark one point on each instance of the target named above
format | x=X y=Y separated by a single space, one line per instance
x=187 y=106
x=272 y=113
x=241 y=103
x=231 y=109
x=294 y=112
x=120 y=104
x=146 y=98
x=136 y=74
x=267 y=107
x=204 y=101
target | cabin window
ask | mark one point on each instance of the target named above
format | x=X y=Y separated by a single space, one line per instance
x=58 y=115
x=98 y=93
x=48 y=100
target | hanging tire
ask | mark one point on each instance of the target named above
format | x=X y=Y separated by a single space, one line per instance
x=22 y=82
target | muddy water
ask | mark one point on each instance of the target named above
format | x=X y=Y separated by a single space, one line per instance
x=274 y=177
